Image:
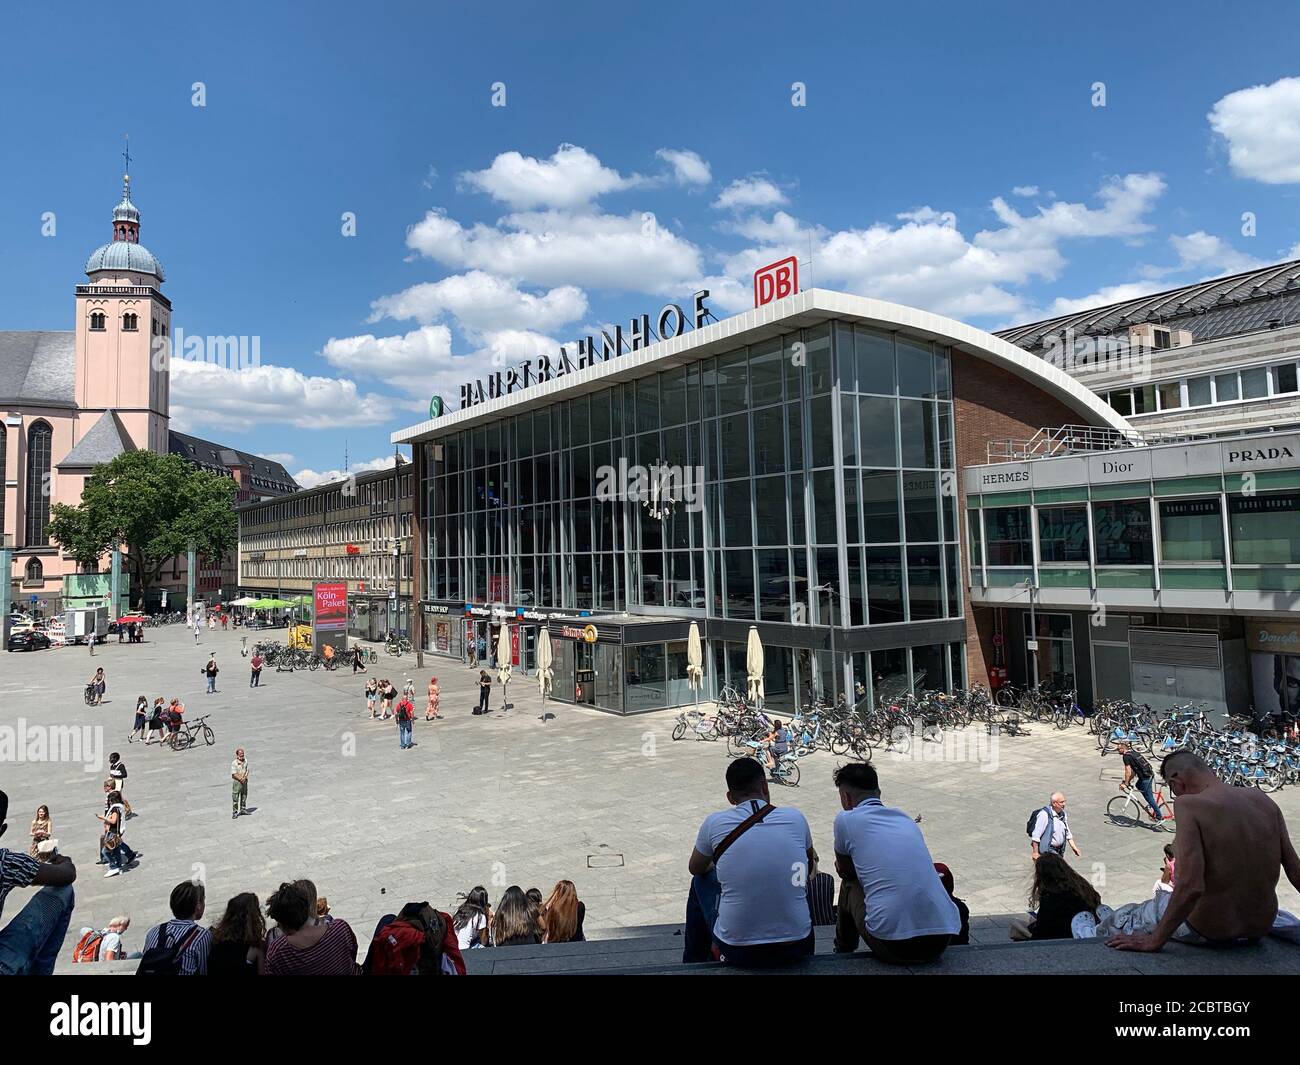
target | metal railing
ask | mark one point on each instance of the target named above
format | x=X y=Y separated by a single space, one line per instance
x=1053 y=441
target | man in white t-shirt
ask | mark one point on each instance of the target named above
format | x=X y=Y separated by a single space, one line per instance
x=762 y=871
x=890 y=893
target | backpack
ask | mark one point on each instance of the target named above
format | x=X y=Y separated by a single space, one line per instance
x=164 y=959
x=1033 y=818
x=395 y=950
x=1144 y=767
x=87 y=948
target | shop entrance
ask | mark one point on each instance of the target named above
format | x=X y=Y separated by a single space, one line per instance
x=584 y=674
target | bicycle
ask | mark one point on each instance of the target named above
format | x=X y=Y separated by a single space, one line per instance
x=1129 y=808
x=190 y=732
x=704 y=727
x=786 y=770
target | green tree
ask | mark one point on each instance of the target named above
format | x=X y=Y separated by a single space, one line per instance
x=156 y=506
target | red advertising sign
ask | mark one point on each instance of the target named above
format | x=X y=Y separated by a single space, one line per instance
x=331 y=607
x=776 y=281
x=514 y=645
x=353 y=549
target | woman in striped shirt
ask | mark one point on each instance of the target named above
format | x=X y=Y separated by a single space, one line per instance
x=307 y=948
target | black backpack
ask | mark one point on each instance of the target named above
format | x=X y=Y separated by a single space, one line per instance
x=1145 y=771
x=1033 y=819
x=165 y=959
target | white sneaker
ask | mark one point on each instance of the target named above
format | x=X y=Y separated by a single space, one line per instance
x=112 y=872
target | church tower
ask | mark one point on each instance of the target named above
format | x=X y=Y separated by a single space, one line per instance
x=123 y=327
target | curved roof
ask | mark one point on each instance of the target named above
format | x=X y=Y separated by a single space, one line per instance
x=1222 y=306
x=125 y=255
x=126 y=211
x=807 y=308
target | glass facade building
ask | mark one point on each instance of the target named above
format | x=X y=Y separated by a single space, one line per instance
x=814 y=496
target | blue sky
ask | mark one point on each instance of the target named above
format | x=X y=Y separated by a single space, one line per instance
x=949 y=156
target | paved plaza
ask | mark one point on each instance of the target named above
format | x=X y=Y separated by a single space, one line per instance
x=610 y=803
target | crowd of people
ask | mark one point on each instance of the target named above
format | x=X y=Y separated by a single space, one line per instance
x=384 y=701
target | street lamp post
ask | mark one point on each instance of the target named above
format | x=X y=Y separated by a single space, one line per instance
x=835 y=682
x=1033 y=628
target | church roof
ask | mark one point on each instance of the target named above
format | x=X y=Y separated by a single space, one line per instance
x=104 y=441
x=37 y=369
x=125 y=255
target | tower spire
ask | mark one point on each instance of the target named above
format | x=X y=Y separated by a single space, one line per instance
x=126 y=177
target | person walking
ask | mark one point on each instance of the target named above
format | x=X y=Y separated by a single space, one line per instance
x=387 y=693
x=1049 y=831
x=405 y=715
x=211 y=671
x=141 y=717
x=255 y=678
x=98 y=685
x=372 y=695
x=115 y=848
x=358 y=663
x=157 y=722
x=198 y=628
x=239 y=784
x=90 y=642
x=117 y=773
x=435 y=698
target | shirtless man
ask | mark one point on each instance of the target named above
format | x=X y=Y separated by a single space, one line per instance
x=1230 y=845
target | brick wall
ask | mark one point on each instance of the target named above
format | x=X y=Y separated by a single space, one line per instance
x=990 y=403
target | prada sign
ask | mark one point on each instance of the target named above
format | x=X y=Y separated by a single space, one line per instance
x=671 y=322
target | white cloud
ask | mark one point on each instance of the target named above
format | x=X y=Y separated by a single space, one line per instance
x=1261 y=126
x=313 y=478
x=481 y=301
x=204 y=393
x=570 y=178
x=594 y=250
x=1294 y=252
x=282 y=457
x=929 y=214
x=1025 y=190
x=406 y=361
x=688 y=167
x=1103 y=297
x=1208 y=252
x=751 y=192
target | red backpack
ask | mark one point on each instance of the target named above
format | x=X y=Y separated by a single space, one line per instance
x=87 y=948
x=396 y=949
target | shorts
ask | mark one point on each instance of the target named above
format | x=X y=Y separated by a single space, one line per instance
x=1189 y=935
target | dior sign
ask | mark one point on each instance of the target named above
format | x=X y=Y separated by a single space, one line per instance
x=671 y=322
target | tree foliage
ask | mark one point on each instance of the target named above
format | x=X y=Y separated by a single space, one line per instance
x=156 y=506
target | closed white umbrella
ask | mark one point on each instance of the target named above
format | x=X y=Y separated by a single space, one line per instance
x=754 y=665
x=694 y=661
x=544 y=659
x=503 y=665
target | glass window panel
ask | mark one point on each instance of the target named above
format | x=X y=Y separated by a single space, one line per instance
x=849 y=430
x=794 y=434
x=736 y=522
x=647 y=450
x=880 y=508
x=769 y=500
x=884 y=585
x=1254 y=383
x=1063 y=534
x=915 y=366
x=921 y=506
x=1191 y=530
x=673 y=396
x=817 y=351
x=692 y=393
x=928 y=668
x=773 y=585
x=942 y=374
x=856 y=597
x=600 y=420
x=1122 y=402
x=1008 y=538
x=765 y=373
x=821 y=431
x=824 y=508
x=1144 y=399
x=709 y=387
x=1265 y=528
x=953 y=581
x=675 y=451
x=646 y=677
x=798 y=532
x=740 y=583
x=734 y=433
x=1171 y=395
x=852 y=528
x=1122 y=532
x=1284 y=379
x=793 y=367
x=733 y=382
x=875 y=359
x=769 y=440
x=1225 y=388
x=877 y=419
x=647 y=405
x=916 y=421
x=845 y=360
x=1198 y=391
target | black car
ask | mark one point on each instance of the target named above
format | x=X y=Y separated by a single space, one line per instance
x=28 y=640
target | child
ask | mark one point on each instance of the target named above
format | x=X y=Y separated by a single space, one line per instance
x=372 y=693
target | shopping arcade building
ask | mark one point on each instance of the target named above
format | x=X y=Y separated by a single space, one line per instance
x=828 y=431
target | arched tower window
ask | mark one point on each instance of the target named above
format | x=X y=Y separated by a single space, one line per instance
x=97 y=320
x=35 y=571
x=39 y=440
x=130 y=322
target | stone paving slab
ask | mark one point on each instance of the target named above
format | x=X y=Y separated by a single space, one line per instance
x=610 y=803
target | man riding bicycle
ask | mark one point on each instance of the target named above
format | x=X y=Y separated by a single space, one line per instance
x=776 y=743
x=1137 y=770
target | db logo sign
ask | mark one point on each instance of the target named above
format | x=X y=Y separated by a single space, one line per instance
x=776 y=281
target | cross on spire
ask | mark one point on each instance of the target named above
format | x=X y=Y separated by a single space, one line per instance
x=126 y=178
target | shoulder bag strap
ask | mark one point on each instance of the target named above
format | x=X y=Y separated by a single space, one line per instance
x=740 y=830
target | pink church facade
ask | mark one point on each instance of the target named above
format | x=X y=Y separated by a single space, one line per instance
x=71 y=400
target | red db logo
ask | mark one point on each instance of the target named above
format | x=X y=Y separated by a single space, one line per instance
x=776 y=281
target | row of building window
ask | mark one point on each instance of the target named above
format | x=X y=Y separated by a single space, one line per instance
x=345 y=532
x=1235 y=386
x=344 y=567
x=1264 y=529
x=346 y=494
x=130 y=323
